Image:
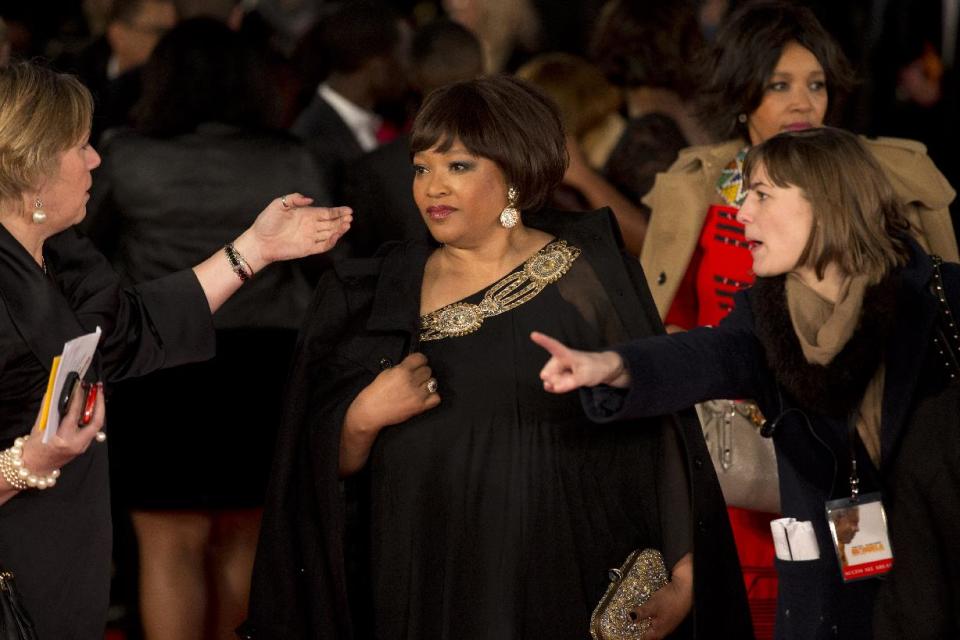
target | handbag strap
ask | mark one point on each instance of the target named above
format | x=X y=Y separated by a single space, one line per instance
x=947 y=336
x=15 y=622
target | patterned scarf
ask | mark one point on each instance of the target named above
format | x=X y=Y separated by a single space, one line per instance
x=730 y=185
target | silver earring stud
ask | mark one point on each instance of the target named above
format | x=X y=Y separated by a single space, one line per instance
x=742 y=118
x=510 y=215
x=39 y=215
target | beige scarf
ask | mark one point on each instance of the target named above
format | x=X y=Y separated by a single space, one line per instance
x=823 y=328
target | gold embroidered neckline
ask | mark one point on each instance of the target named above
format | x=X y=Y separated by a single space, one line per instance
x=545 y=267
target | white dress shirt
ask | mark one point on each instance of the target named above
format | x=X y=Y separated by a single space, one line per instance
x=364 y=124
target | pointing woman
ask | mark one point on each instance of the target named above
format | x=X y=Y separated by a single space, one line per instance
x=847 y=341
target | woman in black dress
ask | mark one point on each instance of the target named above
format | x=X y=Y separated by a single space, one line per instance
x=54 y=286
x=478 y=506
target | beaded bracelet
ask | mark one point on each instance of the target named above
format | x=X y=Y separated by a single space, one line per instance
x=17 y=475
x=240 y=266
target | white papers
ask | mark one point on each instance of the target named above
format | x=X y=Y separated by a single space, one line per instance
x=794 y=540
x=77 y=356
x=780 y=544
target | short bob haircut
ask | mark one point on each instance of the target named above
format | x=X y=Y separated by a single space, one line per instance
x=505 y=120
x=747 y=50
x=858 y=222
x=42 y=114
x=582 y=94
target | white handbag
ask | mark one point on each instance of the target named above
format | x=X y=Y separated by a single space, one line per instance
x=744 y=460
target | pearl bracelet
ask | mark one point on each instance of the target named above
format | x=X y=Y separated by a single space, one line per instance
x=17 y=475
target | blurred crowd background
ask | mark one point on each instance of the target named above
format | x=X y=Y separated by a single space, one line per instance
x=903 y=52
x=209 y=107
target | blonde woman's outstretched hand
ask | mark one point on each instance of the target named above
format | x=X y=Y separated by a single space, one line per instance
x=569 y=369
x=290 y=228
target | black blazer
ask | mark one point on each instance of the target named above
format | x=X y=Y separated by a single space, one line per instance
x=299 y=583
x=330 y=140
x=58 y=542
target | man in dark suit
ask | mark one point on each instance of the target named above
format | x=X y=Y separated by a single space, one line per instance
x=378 y=185
x=363 y=47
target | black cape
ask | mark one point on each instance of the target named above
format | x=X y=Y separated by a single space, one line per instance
x=300 y=584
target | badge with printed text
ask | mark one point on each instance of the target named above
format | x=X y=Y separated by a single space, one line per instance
x=860 y=537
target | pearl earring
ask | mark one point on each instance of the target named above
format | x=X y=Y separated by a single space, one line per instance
x=742 y=118
x=39 y=215
x=510 y=215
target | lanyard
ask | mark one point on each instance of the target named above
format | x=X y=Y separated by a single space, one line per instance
x=854 y=476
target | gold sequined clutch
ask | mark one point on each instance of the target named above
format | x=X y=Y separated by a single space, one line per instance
x=630 y=586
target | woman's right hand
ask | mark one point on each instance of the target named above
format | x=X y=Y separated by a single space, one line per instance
x=395 y=395
x=71 y=439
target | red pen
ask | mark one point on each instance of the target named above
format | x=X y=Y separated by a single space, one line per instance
x=89 y=405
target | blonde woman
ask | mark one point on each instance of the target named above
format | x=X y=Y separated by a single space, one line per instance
x=54 y=286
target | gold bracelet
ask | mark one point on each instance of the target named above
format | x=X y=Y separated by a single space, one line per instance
x=240 y=266
x=17 y=475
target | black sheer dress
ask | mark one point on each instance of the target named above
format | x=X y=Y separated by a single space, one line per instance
x=497 y=514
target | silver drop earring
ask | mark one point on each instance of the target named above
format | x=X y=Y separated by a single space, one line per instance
x=510 y=215
x=39 y=215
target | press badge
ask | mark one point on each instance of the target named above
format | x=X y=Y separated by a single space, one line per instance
x=860 y=537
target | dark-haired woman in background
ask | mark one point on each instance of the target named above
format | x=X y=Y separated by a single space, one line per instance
x=194 y=470
x=774 y=68
x=479 y=507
